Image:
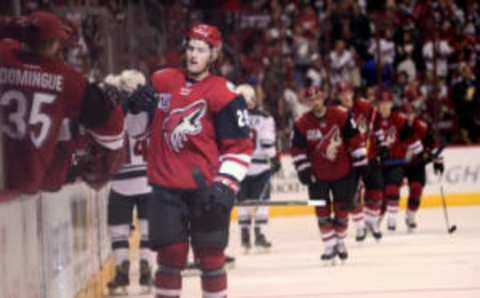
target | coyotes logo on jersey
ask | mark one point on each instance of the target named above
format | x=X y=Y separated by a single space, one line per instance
x=390 y=136
x=182 y=122
x=362 y=124
x=330 y=143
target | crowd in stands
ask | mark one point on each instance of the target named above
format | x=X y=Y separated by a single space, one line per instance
x=426 y=51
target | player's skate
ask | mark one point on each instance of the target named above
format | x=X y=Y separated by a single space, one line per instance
x=245 y=238
x=410 y=221
x=261 y=243
x=328 y=256
x=229 y=262
x=145 y=277
x=391 y=223
x=361 y=234
x=374 y=228
x=118 y=286
x=341 y=251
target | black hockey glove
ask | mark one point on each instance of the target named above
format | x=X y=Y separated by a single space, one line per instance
x=276 y=164
x=214 y=213
x=438 y=167
x=305 y=176
x=142 y=100
x=383 y=153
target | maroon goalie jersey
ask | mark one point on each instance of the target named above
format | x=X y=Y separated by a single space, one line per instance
x=39 y=99
x=330 y=144
x=197 y=124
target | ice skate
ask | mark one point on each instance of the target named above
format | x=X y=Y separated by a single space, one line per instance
x=374 y=229
x=118 y=286
x=341 y=251
x=410 y=221
x=229 y=262
x=245 y=238
x=391 y=223
x=361 y=234
x=261 y=243
x=328 y=256
x=145 y=277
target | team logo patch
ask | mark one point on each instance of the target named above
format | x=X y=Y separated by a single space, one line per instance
x=182 y=123
x=329 y=145
x=164 y=101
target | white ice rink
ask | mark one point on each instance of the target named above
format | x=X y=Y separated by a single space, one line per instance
x=428 y=263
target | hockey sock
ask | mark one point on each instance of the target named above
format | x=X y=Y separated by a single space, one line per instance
x=171 y=260
x=214 y=277
x=144 y=242
x=392 y=196
x=358 y=217
x=415 y=194
x=373 y=204
x=119 y=235
x=340 y=223
x=245 y=217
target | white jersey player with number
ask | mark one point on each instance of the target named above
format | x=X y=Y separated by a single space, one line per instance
x=256 y=185
x=130 y=189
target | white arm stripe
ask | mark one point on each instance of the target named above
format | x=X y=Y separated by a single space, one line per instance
x=303 y=166
x=416 y=147
x=109 y=142
x=360 y=152
x=299 y=157
x=234 y=169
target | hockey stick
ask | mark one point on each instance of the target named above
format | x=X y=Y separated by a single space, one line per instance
x=450 y=229
x=287 y=203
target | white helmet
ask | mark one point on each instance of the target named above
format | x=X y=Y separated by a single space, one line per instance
x=247 y=92
x=131 y=79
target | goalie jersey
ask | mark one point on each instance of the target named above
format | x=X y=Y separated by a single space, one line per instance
x=131 y=179
x=262 y=131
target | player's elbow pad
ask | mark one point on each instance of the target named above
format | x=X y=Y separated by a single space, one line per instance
x=96 y=107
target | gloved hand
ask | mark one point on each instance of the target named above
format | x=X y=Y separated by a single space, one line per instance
x=438 y=167
x=276 y=165
x=383 y=153
x=143 y=99
x=213 y=212
x=305 y=176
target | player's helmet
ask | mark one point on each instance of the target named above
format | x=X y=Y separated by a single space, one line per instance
x=343 y=86
x=208 y=33
x=47 y=26
x=247 y=92
x=131 y=79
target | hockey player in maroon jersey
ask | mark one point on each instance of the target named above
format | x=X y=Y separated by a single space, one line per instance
x=40 y=98
x=415 y=171
x=200 y=125
x=326 y=149
x=396 y=131
x=365 y=116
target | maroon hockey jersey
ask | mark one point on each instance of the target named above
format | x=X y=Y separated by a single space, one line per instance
x=197 y=124
x=330 y=144
x=393 y=129
x=39 y=98
x=366 y=117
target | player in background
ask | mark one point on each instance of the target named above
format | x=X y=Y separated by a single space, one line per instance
x=256 y=185
x=366 y=212
x=396 y=131
x=130 y=190
x=42 y=98
x=199 y=153
x=326 y=150
x=415 y=170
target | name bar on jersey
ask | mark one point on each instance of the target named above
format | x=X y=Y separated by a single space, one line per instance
x=31 y=78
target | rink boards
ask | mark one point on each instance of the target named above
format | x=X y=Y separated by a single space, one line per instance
x=57 y=245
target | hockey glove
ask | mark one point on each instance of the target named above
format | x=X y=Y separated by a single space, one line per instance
x=214 y=213
x=305 y=176
x=142 y=100
x=438 y=167
x=383 y=153
x=276 y=165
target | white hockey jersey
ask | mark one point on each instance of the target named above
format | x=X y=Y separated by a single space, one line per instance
x=131 y=179
x=262 y=130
